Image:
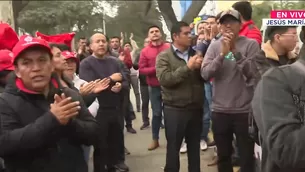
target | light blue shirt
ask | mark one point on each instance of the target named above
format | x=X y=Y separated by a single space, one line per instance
x=183 y=55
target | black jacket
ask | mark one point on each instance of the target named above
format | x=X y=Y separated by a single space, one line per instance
x=278 y=108
x=31 y=138
x=267 y=58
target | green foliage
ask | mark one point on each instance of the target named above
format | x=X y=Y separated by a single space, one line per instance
x=261 y=11
x=51 y=17
x=131 y=18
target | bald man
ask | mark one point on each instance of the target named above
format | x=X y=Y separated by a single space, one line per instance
x=101 y=65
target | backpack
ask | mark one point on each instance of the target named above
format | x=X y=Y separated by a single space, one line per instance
x=253 y=129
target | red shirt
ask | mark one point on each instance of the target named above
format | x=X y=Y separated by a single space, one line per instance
x=127 y=58
x=147 y=62
x=249 y=30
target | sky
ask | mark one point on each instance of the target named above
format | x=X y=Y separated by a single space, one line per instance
x=220 y=6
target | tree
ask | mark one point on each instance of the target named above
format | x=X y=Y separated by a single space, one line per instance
x=51 y=17
x=17 y=7
x=261 y=11
x=131 y=19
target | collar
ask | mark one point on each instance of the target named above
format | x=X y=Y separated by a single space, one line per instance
x=177 y=50
x=246 y=24
x=190 y=51
x=20 y=85
x=152 y=45
x=271 y=54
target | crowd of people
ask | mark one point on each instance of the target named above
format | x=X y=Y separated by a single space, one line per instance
x=56 y=105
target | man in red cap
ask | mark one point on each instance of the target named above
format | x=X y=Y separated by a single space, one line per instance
x=43 y=124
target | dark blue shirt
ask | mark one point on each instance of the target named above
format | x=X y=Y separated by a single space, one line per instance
x=92 y=68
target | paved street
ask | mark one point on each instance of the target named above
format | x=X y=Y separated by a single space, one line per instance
x=142 y=160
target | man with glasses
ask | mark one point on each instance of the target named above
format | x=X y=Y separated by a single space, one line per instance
x=278 y=50
x=228 y=61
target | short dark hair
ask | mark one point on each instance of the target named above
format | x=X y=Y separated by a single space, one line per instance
x=62 y=47
x=115 y=37
x=176 y=29
x=273 y=30
x=218 y=16
x=244 y=8
x=53 y=45
x=153 y=26
x=82 y=38
x=127 y=43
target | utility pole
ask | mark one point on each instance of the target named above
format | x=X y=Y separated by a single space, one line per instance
x=6 y=13
x=104 y=22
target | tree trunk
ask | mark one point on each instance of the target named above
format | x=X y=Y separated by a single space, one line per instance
x=193 y=10
x=17 y=7
x=167 y=12
x=6 y=13
x=169 y=16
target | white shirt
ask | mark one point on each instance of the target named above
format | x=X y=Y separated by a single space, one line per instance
x=93 y=108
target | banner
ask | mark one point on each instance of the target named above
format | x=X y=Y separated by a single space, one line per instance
x=64 y=38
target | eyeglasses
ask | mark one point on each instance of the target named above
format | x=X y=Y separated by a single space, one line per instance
x=295 y=36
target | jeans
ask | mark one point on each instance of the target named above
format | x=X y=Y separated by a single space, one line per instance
x=224 y=126
x=145 y=103
x=207 y=111
x=135 y=86
x=156 y=106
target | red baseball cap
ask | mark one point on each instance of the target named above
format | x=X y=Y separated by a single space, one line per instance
x=69 y=55
x=6 y=60
x=27 y=41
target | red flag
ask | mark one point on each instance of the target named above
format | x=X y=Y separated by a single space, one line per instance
x=8 y=37
x=64 y=38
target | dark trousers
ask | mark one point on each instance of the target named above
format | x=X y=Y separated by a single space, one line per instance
x=182 y=123
x=224 y=126
x=145 y=102
x=2 y=169
x=126 y=107
x=107 y=149
x=122 y=142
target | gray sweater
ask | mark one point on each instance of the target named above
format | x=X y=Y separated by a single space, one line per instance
x=233 y=80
